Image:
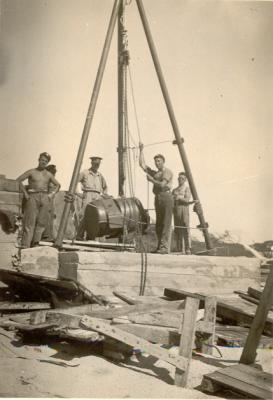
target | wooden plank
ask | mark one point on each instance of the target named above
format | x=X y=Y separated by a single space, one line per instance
x=210 y=316
x=19 y=305
x=235 y=336
x=187 y=340
x=249 y=352
x=100 y=245
x=251 y=299
x=64 y=320
x=37 y=317
x=153 y=334
x=248 y=381
x=132 y=340
x=127 y=310
x=9 y=185
x=10 y=198
x=73 y=247
x=157 y=318
x=81 y=335
x=28 y=327
x=232 y=309
x=263 y=380
x=254 y=293
x=127 y=299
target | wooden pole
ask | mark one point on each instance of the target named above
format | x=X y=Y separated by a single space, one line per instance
x=249 y=352
x=187 y=339
x=88 y=122
x=179 y=140
x=121 y=95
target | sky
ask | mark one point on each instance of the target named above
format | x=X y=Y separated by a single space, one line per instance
x=217 y=60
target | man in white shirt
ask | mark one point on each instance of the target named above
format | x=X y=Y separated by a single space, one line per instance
x=94 y=187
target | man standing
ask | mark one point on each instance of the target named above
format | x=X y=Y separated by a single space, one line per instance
x=94 y=187
x=182 y=196
x=162 y=181
x=48 y=232
x=38 y=200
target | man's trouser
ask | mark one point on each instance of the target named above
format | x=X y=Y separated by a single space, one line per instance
x=182 y=228
x=36 y=215
x=87 y=198
x=48 y=232
x=163 y=210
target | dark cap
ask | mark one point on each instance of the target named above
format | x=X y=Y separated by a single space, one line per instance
x=95 y=158
x=46 y=155
x=52 y=168
x=159 y=156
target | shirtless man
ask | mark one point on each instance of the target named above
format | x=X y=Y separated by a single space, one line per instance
x=38 y=200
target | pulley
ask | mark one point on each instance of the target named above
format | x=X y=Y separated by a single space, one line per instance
x=109 y=216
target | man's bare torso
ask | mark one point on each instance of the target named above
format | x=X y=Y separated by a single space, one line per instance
x=39 y=179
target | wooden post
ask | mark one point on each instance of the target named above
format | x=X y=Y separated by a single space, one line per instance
x=210 y=316
x=178 y=139
x=88 y=123
x=249 y=352
x=187 y=339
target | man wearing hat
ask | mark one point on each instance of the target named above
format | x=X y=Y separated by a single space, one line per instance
x=162 y=180
x=48 y=232
x=94 y=187
x=37 y=200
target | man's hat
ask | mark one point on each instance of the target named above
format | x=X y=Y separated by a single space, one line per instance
x=159 y=156
x=46 y=155
x=95 y=158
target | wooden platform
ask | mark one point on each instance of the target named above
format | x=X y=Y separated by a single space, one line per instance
x=243 y=379
x=103 y=272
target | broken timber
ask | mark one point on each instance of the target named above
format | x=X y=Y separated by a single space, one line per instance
x=10 y=306
x=230 y=309
x=134 y=341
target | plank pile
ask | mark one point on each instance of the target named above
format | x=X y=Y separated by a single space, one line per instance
x=168 y=328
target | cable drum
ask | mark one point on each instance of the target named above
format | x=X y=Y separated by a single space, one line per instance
x=108 y=216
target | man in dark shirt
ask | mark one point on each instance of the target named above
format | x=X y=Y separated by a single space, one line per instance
x=162 y=181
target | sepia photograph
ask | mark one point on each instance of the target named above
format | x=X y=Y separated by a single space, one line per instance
x=136 y=199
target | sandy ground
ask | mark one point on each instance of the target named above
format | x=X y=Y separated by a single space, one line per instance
x=90 y=375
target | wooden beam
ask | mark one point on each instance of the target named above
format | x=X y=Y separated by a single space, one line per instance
x=210 y=316
x=187 y=340
x=133 y=340
x=249 y=352
x=20 y=305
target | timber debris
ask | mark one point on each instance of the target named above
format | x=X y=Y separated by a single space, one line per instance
x=172 y=328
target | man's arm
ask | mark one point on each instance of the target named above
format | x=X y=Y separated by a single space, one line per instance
x=165 y=182
x=21 y=179
x=104 y=185
x=56 y=184
x=142 y=163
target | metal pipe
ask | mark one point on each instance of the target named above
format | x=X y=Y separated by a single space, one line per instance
x=88 y=122
x=121 y=94
x=179 y=140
